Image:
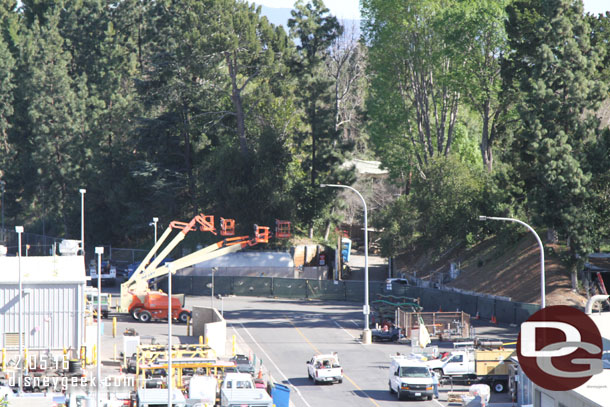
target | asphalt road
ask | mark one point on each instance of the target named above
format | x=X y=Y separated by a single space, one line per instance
x=284 y=334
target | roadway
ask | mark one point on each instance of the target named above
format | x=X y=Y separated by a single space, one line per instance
x=285 y=333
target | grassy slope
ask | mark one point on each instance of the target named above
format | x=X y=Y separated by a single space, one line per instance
x=512 y=271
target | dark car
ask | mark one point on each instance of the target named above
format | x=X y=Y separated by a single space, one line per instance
x=243 y=364
x=130 y=269
x=380 y=335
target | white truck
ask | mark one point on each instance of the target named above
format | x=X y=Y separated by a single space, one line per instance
x=238 y=390
x=325 y=369
x=410 y=377
x=108 y=273
x=475 y=366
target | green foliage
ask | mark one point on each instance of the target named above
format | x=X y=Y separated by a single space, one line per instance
x=320 y=150
x=554 y=68
x=441 y=209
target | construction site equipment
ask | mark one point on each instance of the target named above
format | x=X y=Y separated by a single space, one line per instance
x=187 y=360
x=282 y=229
x=154 y=305
x=137 y=285
x=443 y=325
x=489 y=367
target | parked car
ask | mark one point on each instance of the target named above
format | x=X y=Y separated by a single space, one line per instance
x=402 y=281
x=391 y=334
x=243 y=364
x=130 y=269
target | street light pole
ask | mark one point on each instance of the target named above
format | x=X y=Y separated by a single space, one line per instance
x=2 y=185
x=155 y=220
x=99 y=251
x=82 y=219
x=19 y=230
x=170 y=269
x=542 y=282
x=214 y=270
x=366 y=335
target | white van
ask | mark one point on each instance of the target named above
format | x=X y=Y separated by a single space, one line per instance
x=409 y=377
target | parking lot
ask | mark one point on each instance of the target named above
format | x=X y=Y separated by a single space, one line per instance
x=284 y=334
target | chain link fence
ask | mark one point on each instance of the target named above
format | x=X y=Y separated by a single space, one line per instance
x=433 y=300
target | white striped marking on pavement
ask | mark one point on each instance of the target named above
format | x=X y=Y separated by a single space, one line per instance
x=272 y=362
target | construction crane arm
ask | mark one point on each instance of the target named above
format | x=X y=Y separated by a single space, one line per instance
x=139 y=283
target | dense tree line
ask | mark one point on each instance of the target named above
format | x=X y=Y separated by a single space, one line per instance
x=523 y=80
x=170 y=108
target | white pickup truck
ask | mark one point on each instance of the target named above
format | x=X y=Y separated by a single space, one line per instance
x=238 y=390
x=325 y=369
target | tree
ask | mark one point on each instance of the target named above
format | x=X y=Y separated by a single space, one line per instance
x=52 y=126
x=476 y=29
x=346 y=66
x=415 y=78
x=554 y=68
x=316 y=31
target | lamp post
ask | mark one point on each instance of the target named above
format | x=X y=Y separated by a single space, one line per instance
x=2 y=185
x=170 y=269
x=82 y=219
x=99 y=250
x=214 y=270
x=366 y=335
x=19 y=230
x=542 y=283
x=154 y=223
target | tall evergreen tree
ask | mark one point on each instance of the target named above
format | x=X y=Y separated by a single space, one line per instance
x=316 y=30
x=51 y=126
x=553 y=66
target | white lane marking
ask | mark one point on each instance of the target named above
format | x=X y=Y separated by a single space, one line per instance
x=276 y=366
x=438 y=402
x=355 y=323
x=344 y=330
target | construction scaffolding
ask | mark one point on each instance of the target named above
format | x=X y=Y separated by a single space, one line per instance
x=442 y=325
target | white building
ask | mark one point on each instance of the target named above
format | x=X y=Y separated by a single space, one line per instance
x=52 y=306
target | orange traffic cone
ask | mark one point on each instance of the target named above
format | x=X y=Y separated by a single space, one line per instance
x=440 y=309
x=477 y=316
x=493 y=319
x=260 y=373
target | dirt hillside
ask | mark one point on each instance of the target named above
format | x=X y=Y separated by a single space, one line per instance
x=506 y=271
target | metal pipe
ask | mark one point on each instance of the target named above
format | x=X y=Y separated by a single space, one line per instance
x=366 y=335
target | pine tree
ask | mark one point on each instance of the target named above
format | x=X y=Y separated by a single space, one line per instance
x=51 y=126
x=553 y=67
x=316 y=30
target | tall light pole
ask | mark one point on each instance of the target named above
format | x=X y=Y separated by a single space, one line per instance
x=170 y=269
x=82 y=219
x=99 y=251
x=2 y=185
x=542 y=283
x=214 y=270
x=154 y=222
x=19 y=230
x=366 y=335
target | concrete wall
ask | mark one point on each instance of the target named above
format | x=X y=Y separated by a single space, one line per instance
x=208 y=322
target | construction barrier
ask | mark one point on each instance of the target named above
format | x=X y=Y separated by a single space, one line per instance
x=486 y=307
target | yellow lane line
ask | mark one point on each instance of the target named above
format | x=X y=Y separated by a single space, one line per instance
x=344 y=375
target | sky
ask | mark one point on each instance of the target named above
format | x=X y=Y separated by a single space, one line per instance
x=349 y=9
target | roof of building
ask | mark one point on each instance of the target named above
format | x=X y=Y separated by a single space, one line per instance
x=364 y=167
x=43 y=269
x=249 y=260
